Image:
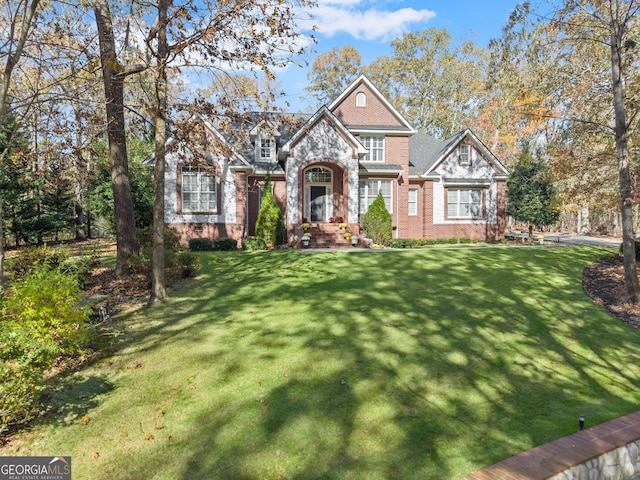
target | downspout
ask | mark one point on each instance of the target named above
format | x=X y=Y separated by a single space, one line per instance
x=398 y=208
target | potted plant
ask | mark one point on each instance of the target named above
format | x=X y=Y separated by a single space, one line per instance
x=339 y=219
x=305 y=239
x=332 y=220
x=347 y=235
x=343 y=226
x=305 y=226
x=354 y=240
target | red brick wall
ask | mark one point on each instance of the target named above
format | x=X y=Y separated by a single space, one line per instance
x=376 y=113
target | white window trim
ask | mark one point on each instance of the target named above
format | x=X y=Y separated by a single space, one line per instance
x=199 y=174
x=260 y=149
x=468 y=148
x=366 y=142
x=361 y=99
x=371 y=197
x=412 y=204
x=457 y=216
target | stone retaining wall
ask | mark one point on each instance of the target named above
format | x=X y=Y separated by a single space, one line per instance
x=609 y=451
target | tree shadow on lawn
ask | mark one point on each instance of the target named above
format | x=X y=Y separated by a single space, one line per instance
x=441 y=377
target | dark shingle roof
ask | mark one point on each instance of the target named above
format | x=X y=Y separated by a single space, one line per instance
x=425 y=150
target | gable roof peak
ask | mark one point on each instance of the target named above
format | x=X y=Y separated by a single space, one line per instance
x=363 y=80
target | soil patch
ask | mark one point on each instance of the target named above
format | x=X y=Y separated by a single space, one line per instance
x=604 y=282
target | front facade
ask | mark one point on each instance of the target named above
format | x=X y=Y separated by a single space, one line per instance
x=327 y=168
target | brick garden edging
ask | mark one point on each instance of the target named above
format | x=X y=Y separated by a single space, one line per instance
x=609 y=451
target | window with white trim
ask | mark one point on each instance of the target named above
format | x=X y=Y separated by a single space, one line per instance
x=361 y=99
x=412 y=202
x=464 y=203
x=369 y=190
x=375 y=146
x=198 y=189
x=464 y=154
x=266 y=148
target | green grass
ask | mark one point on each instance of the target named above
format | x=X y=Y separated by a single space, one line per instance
x=452 y=360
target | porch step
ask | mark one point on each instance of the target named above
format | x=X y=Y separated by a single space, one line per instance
x=328 y=236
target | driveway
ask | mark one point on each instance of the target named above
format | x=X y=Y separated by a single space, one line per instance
x=574 y=239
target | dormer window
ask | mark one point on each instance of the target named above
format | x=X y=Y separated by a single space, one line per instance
x=464 y=154
x=265 y=148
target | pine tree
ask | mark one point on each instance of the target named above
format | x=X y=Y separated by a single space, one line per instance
x=377 y=222
x=530 y=192
x=270 y=222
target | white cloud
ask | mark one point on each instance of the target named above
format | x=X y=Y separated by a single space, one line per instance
x=353 y=17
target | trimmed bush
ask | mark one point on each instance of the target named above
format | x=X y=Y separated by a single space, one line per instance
x=200 y=244
x=226 y=244
x=270 y=222
x=253 y=243
x=377 y=222
x=41 y=320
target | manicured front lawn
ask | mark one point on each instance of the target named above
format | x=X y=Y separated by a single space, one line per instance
x=418 y=364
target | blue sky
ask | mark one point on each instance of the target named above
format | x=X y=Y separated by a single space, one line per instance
x=370 y=25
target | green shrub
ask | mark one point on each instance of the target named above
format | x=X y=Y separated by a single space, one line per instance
x=464 y=240
x=225 y=244
x=200 y=244
x=377 y=222
x=253 y=243
x=177 y=263
x=29 y=257
x=81 y=267
x=41 y=321
x=270 y=222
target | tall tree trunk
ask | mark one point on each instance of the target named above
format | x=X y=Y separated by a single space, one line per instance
x=81 y=233
x=21 y=24
x=158 y=289
x=113 y=79
x=617 y=30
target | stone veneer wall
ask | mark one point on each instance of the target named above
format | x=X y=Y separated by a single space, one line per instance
x=620 y=464
x=609 y=451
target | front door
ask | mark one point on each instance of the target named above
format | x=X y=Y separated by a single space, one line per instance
x=318 y=203
x=318 y=195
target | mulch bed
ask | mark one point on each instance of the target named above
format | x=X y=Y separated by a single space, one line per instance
x=604 y=282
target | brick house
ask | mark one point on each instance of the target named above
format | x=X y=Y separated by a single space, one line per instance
x=331 y=166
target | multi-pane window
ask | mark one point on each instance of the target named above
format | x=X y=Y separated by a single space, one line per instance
x=369 y=190
x=412 y=202
x=198 y=189
x=266 y=148
x=375 y=146
x=317 y=175
x=464 y=203
x=464 y=155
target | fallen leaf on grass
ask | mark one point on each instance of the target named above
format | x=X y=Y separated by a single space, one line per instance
x=285 y=375
x=278 y=453
x=159 y=427
x=84 y=420
x=159 y=414
x=94 y=455
x=167 y=437
x=343 y=382
x=148 y=436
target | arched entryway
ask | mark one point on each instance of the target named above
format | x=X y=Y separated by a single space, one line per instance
x=318 y=194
